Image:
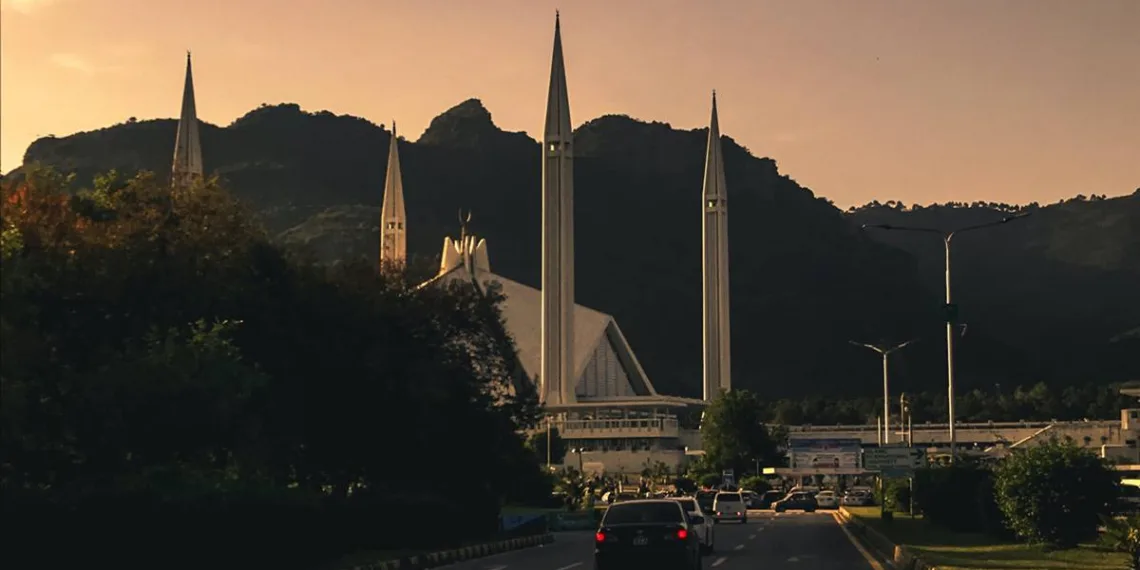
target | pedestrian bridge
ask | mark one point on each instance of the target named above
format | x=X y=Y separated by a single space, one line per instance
x=1095 y=433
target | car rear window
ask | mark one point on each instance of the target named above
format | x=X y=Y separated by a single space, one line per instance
x=728 y=497
x=688 y=504
x=633 y=513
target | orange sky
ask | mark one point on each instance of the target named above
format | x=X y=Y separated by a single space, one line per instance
x=1010 y=100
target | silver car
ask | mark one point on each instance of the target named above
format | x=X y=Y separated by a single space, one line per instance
x=706 y=531
x=730 y=507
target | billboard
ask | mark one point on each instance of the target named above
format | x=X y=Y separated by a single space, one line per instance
x=824 y=454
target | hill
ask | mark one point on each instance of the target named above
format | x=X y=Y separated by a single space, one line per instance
x=805 y=279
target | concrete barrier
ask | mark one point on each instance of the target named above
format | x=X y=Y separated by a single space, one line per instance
x=900 y=556
x=444 y=557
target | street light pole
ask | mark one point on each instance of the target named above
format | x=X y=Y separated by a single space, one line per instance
x=950 y=309
x=886 y=352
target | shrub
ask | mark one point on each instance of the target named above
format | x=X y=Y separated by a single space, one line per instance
x=1054 y=493
x=959 y=498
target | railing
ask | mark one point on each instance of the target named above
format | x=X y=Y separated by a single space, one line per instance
x=638 y=427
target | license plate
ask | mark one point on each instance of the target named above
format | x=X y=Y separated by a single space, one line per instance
x=640 y=541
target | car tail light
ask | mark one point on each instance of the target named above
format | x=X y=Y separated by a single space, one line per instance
x=682 y=534
x=599 y=536
x=718 y=513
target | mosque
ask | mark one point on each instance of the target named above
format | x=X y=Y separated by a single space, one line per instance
x=594 y=391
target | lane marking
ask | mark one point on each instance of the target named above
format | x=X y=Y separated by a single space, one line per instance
x=574 y=565
x=751 y=536
x=718 y=562
x=496 y=568
x=866 y=555
x=738 y=547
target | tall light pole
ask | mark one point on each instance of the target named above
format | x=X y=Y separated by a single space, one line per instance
x=886 y=352
x=951 y=310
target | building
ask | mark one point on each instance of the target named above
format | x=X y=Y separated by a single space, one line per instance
x=187 y=165
x=595 y=392
x=616 y=418
x=393 y=239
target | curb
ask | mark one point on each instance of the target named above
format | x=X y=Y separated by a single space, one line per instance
x=898 y=556
x=445 y=557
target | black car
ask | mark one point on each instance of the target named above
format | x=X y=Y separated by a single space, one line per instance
x=655 y=533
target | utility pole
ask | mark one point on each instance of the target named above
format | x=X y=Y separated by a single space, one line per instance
x=950 y=310
x=886 y=352
x=548 y=419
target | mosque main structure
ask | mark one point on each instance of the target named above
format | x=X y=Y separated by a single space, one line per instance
x=594 y=390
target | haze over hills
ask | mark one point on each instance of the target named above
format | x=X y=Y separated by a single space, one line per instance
x=1042 y=296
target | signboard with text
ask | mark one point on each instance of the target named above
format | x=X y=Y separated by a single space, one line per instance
x=824 y=454
x=894 y=460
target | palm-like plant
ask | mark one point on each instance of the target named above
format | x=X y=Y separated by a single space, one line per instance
x=1123 y=535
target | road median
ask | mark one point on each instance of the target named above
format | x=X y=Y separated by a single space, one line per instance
x=438 y=558
x=913 y=543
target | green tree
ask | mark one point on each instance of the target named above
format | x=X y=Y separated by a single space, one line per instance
x=734 y=434
x=1054 y=493
x=1123 y=535
x=755 y=483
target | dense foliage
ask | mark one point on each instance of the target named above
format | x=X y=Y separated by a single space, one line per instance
x=1042 y=297
x=169 y=375
x=1055 y=493
x=733 y=435
x=960 y=498
x=997 y=404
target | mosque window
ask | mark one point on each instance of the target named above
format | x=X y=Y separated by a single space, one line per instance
x=400 y=225
x=553 y=147
x=712 y=203
x=391 y=225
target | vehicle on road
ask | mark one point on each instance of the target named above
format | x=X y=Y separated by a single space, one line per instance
x=729 y=507
x=649 y=533
x=827 y=500
x=705 y=531
x=858 y=498
x=706 y=500
x=770 y=497
x=798 y=501
x=751 y=498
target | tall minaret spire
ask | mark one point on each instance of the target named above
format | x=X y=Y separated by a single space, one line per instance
x=187 y=146
x=393 y=237
x=557 y=374
x=714 y=237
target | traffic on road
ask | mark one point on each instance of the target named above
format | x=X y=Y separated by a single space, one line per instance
x=794 y=540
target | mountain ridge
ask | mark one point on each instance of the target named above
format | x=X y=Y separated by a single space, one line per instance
x=805 y=279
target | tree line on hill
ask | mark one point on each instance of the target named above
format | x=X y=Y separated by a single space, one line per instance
x=1042 y=297
x=174 y=385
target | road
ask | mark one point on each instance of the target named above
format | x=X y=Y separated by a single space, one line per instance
x=785 y=541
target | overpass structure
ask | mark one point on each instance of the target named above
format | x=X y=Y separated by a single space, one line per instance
x=986 y=434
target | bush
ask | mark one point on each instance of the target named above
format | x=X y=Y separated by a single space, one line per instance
x=248 y=528
x=1055 y=493
x=710 y=480
x=959 y=498
x=755 y=483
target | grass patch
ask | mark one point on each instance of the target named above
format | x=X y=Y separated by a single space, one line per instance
x=950 y=550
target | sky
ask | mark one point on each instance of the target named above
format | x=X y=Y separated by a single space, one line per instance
x=919 y=101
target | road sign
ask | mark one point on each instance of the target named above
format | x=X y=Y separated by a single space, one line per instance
x=893 y=459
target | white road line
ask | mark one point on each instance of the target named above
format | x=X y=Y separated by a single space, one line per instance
x=718 y=562
x=574 y=565
x=751 y=536
x=866 y=555
x=738 y=547
x=496 y=568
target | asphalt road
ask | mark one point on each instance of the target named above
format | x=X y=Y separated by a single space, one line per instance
x=786 y=541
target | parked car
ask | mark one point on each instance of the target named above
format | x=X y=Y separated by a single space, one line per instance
x=706 y=500
x=827 y=500
x=858 y=498
x=770 y=497
x=799 y=501
x=652 y=533
x=751 y=499
x=730 y=507
x=704 y=530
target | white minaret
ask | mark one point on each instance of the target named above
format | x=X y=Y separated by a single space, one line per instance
x=557 y=375
x=393 y=239
x=187 y=146
x=714 y=237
